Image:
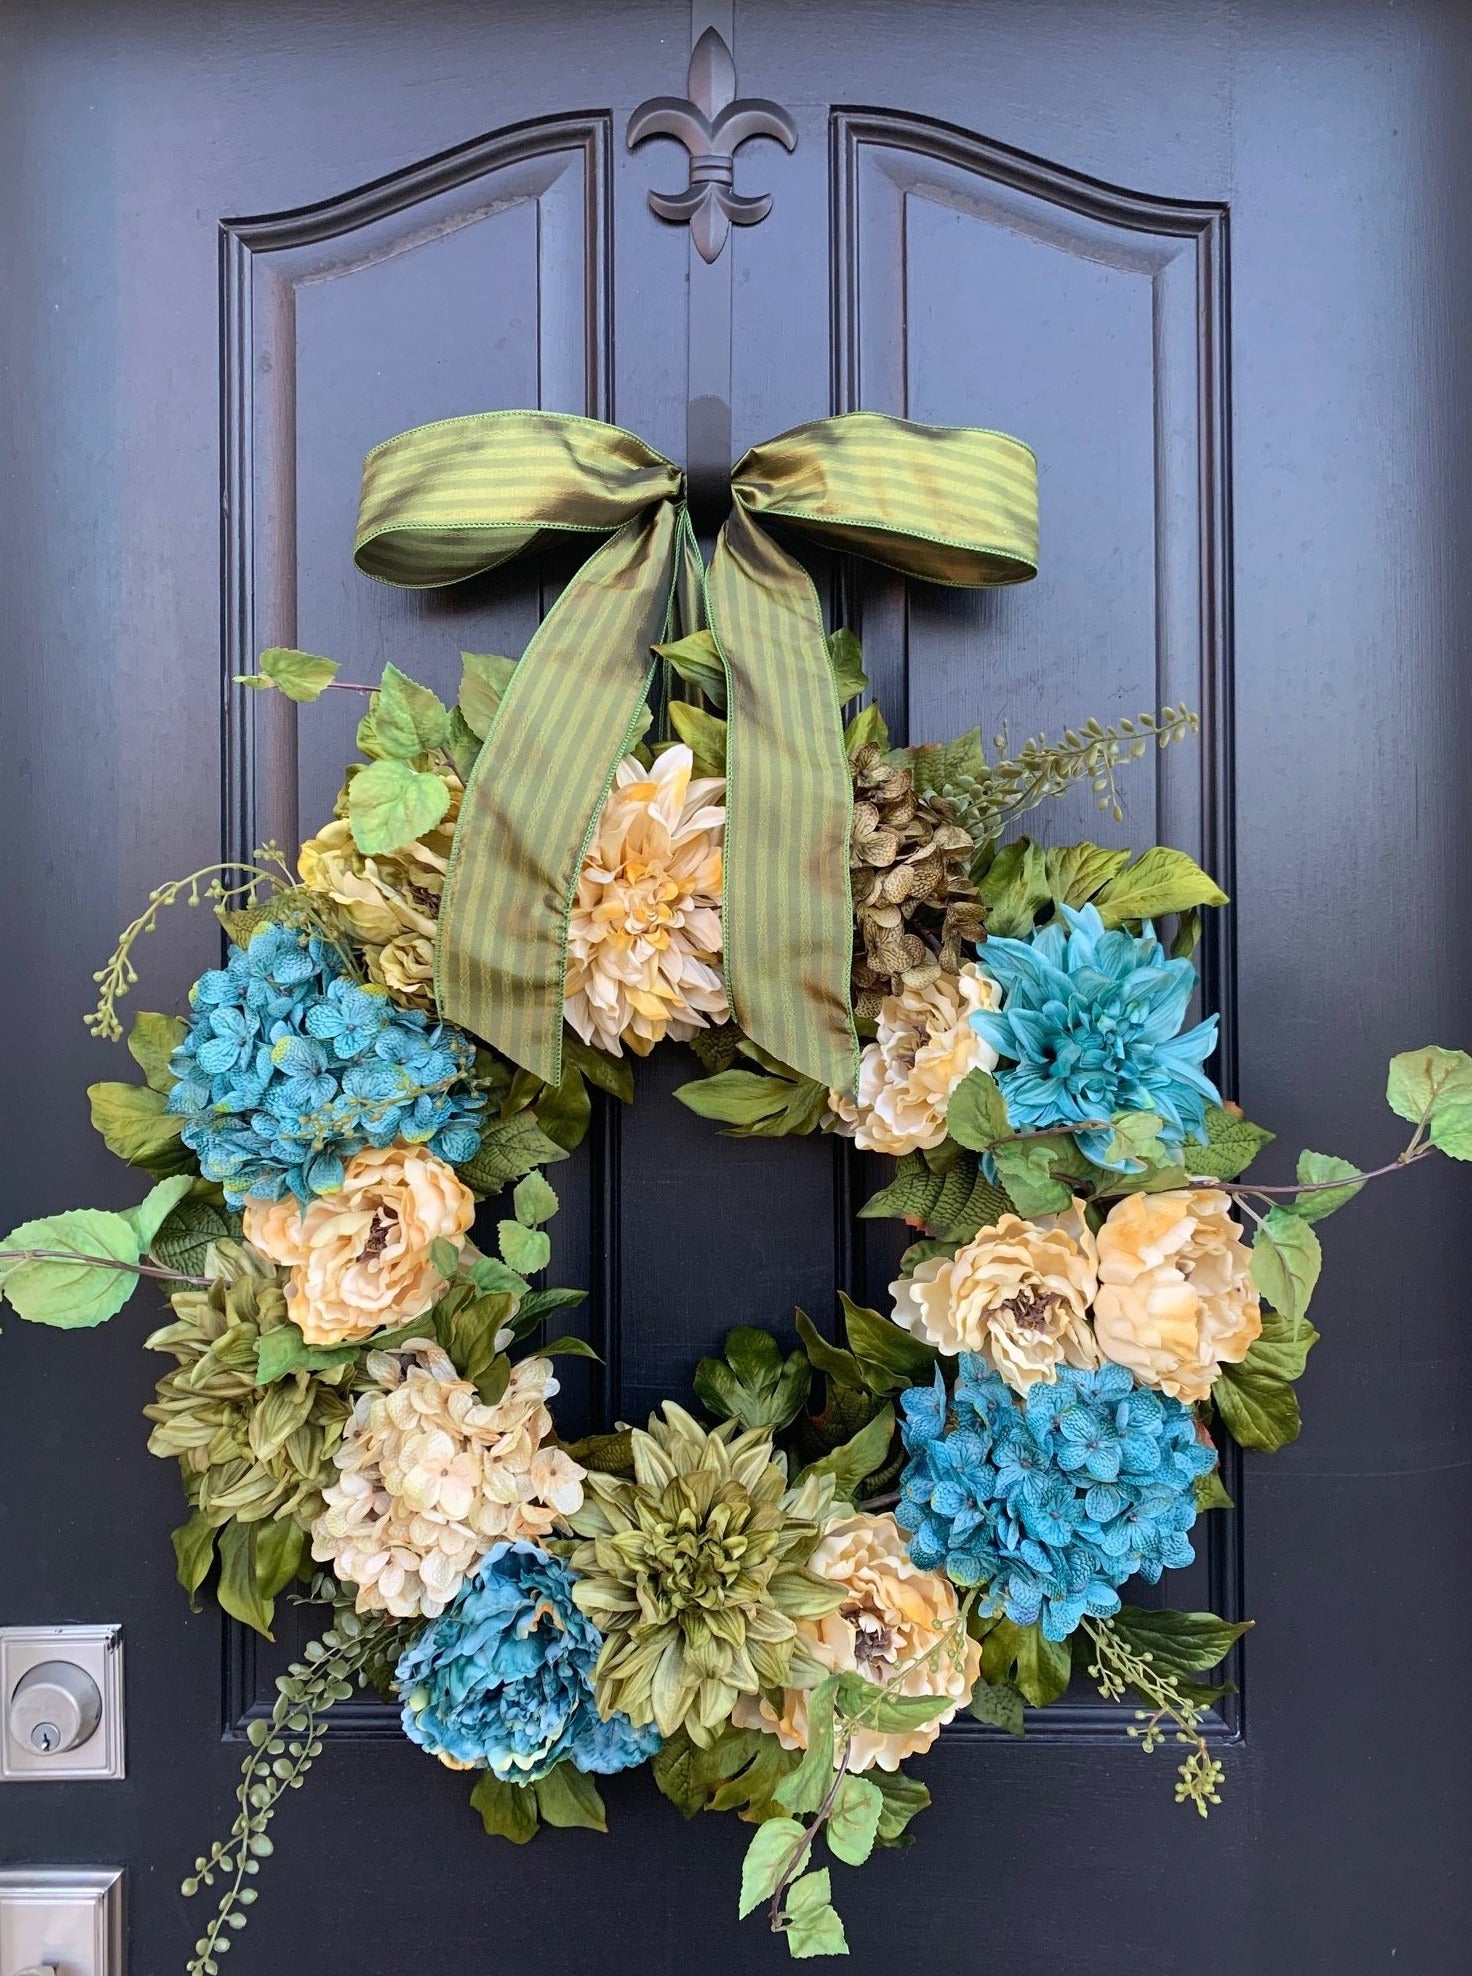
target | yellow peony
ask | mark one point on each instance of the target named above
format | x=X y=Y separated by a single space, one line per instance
x=360 y=1258
x=924 y=1047
x=892 y=1617
x=390 y=902
x=644 y=938
x=1019 y=1294
x=1176 y=1300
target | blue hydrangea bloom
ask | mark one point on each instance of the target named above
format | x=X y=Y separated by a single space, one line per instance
x=503 y=1680
x=1091 y=1022
x=290 y=1067
x=1052 y=1502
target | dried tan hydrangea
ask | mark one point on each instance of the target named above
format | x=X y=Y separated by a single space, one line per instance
x=1176 y=1300
x=429 y=1478
x=644 y=938
x=924 y=1047
x=360 y=1258
x=898 y=1626
x=1018 y=1293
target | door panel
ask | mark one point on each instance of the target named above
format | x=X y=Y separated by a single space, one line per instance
x=1011 y=215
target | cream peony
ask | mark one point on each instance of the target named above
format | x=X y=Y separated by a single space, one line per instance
x=1176 y=1300
x=925 y=1046
x=1019 y=1294
x=644 y=938
x=429 y=1478
x=360 y=1258
x=391 y=902
x=893 y=1616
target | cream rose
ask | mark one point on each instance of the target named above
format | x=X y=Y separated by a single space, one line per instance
x=360 y=1258
x=924 y=1047
x=1018 y=1293
x=892 y=1618
x=1176 y=1300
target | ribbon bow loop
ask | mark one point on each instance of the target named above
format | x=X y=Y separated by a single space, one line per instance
x=444 y=502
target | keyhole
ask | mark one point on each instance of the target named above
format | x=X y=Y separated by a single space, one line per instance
x=45 y=1737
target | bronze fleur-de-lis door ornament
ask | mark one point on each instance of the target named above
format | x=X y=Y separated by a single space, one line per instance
x=712 y=123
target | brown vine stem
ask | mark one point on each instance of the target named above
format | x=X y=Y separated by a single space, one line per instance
x=792 y=1866
x=105 y=1262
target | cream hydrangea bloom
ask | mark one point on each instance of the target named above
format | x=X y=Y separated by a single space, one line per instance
x=429 y=1478
x=360 y=1258
x=892 y=1616
x=644 y=939
x=1018 y=1293
x=924 y=1047
x=1176 y=1300
x=391 y=901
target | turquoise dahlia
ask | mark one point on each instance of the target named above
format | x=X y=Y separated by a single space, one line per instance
x=1090 y=1023
x=503 y=1680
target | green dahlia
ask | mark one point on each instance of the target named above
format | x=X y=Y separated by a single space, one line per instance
x=695 y=1574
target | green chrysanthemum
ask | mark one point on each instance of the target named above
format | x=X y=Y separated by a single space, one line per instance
x=694 y=1572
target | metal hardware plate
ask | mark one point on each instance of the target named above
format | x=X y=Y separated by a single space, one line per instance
x=98 y=1651
x=66 y=1919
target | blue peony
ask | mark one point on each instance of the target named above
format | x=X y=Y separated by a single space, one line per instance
x=1091 y=1022
x=503 y=1681
x=290 y=1067
x=1052 y=1502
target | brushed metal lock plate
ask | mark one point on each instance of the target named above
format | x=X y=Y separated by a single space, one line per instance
x=30 y=1660
x=62 y=1919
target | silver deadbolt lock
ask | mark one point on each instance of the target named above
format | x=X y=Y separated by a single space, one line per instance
x=54 y=1707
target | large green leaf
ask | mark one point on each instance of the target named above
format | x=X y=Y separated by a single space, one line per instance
x=904 y=1797
x=71 y=1294
x=703 y=734
x=408 y=719
x=285 y=1351
x=523 y=1249
x=890 y=1356
x=771 y=1848
x=568 y=1797
x=1282 y=1350
x=1177 y=1643
x=998 y=1704
x=136 y=1128
x=1420 y=1081
x=1232 y=1143
x=1159 y=882
x=1258 y=1409
x=194 y=1552
x=813 y=1926
x=864 y=1454
x=1286 y=1259
x=938 y=764
x=846 y=656
x=1015 y=889
x=853 y=1824
x=615 y=1075
x=755 y=1105
x=1026 y=1170
x=152 y=1040
x=697 y=659
x=1319 y=1171
x=1041 y=1669
x=976 y=1113
x=238 y=1588
x=1077 y=871
x=391 y=804
x=507 y=1811
x=484 y=680
x=753 y=1383
x=804 y=1788
x=155 y=1208
x=865 y=1704
x=299 y=675
x=533 y=1200
x=509 y=1148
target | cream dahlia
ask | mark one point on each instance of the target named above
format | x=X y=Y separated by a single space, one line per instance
x=1176 y=1300
x=1018 y=1293
x=360 y=1258
x=429 y=1478
x=924 y=1047
x=644 y=938
x=898 y=1626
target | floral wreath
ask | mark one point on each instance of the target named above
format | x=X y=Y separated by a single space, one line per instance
x=778 y=1600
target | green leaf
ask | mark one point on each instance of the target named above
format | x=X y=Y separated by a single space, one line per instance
x=1161 y=881
x=1041 y=1669
x=74 y=1294
x=462 y=744
x=1420 y=1081
x=1210 y=1491
x=238 y=1590
x=1077 y=871
x=697 y=660
x=904 y=1797
x=867 y=728
x=909 y=1196
x=853 y=1824
x=155 y=1208
x=1232 y=1144
x=753 y=1383
x=1317 y=1170
x=813 y=1926
x=865 y=1704
x=483 y=682
x=152 y=1040
x=569 y=1798
x=753 y=1105
x=568 y=1347
x=862 y=1455
x=772 y=1846
x=615 y=1075
x=890 y=1357
x=1286 y=1258
x=194 y=1553
x=976 y=1114
x=704 y=734
x=935 y=765
x=184 y=1241
x=804 y=1788
x=1178 y=1643
x=391 y=804
x=1026 y=1171
x=846 y=656
x=445 y=1255
x=280 y=1547
x=999 y=1705
x=285 y=1350
x=541 y=1303
x=509 y=1148
x=491 y=1383
x=1136 y=1136
x=299 y=675
x=525 y=1250
x=533 y=1201
x=827 y=1357
x=1258 y=1409
x=134 y=1126
x=1282 y=1349
x=738 y=1771
x=507 y=1811
x=1015 y=888
x=564 y=1111
x=408 y=719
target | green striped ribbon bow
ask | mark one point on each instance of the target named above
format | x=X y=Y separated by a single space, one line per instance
x=443 y=502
